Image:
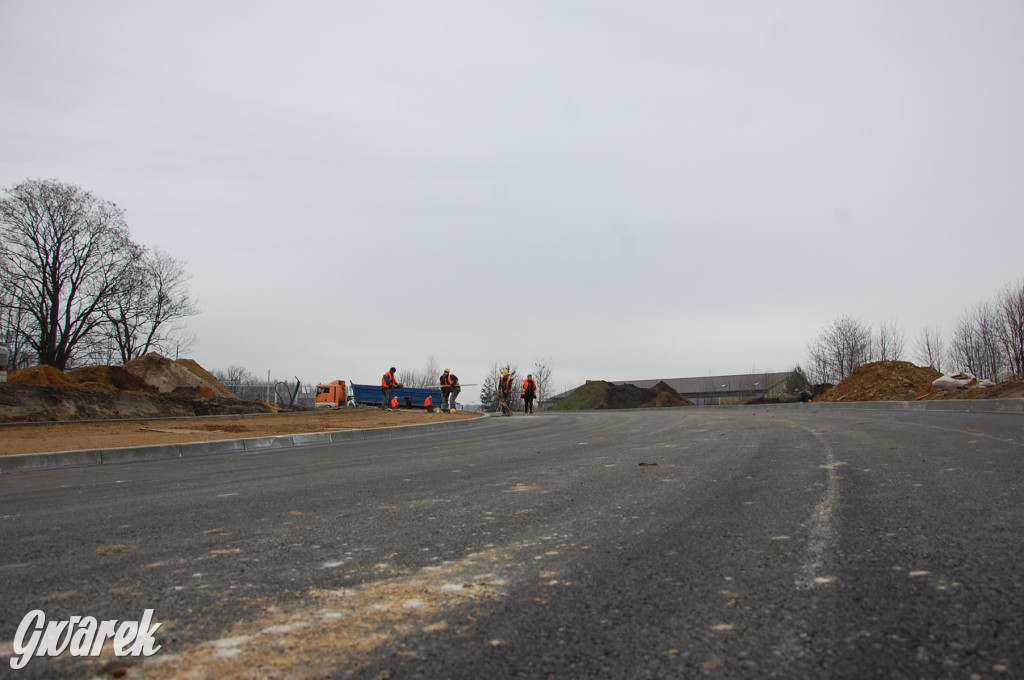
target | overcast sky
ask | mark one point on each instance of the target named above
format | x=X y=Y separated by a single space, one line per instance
x=631 y=190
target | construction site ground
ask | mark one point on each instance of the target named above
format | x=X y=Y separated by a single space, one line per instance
x=158 y=401
x=52 y=437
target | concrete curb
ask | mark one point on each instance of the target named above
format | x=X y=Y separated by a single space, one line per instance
x=28 y=462
x=956 y=405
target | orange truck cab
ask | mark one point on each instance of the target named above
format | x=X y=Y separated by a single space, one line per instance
x=331 y=394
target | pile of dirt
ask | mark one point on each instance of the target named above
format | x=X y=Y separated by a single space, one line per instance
x=148 y=387
x=884 y=381
x=665 y=396
x=109 y=376
x=39 y=403
x=167 y=375
x=40 y=375
x=599 y=394
x=193 y=367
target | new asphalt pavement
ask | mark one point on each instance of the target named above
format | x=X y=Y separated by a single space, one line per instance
x=796 y=542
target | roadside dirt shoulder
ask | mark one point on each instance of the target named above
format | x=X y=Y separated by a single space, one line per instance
x=46 y=438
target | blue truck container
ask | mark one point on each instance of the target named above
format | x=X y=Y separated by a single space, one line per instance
x=372 y=395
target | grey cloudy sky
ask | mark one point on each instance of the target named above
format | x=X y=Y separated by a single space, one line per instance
x=633 y=190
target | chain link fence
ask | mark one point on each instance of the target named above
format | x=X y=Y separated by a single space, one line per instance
x=275 y=392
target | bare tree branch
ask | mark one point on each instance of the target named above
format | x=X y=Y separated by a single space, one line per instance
x=68 y=252
x=840 y=347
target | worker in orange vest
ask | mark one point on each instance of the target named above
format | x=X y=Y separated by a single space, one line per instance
x=529 y=393
x=387 y=383
x=450 y=389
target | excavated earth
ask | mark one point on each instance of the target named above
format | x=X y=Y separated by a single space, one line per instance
x=154 y=400
x=903 y=381
x=599 y=394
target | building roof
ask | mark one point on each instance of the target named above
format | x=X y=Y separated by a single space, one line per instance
x=716 y=384
x=710 y=385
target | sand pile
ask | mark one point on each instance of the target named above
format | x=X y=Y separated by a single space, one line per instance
x=108 y=376
x=40 y=375
x=599 y=394
x=167 y=375
x=148 y=372
x=666 y=396
x=149 y=387
x=884 y=381
x=193 y=367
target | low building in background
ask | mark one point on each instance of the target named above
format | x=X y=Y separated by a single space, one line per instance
x=721 y=390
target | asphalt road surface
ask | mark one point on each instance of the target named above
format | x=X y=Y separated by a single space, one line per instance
x=789 y=543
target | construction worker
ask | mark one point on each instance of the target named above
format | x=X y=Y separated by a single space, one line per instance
x=446 y=389
x=450 y=389
x=387 y=383
x=505 y=392
x=529 y=393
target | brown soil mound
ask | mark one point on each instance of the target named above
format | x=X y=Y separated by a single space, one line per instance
x=884 y=381
x=40 y=375
x=664 y=396
x=22 y=403
x=193 y=367
x=194 y=392
x=111 y=376
x=599 y=394
x=166 y=375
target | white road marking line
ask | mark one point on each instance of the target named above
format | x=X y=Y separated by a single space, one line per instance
x=822 y=531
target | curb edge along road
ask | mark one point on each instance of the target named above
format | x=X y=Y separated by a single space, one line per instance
x=26 y=462
x=961 y=405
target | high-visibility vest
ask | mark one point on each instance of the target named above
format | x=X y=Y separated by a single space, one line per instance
x=446 y=379
x=394 y=402
x=526 y=385
x=429 y=401
x=387 y=381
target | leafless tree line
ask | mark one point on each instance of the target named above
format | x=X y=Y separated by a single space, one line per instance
x=76 y=289
x=428 y=376
x=987 y=341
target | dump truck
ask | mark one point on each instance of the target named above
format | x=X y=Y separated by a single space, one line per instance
x=408 y=397
x=332 y=394
x=336 y=393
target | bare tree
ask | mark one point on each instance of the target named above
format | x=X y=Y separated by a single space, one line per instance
x=67 y=252
x=11 y=326
x=1010 y=307
x=153 y=296
x=433 y=372
x=976 y=343
x=542 y=374
x=889 y=342
x=427 y=377
x=236 y=375
x=840 y=347
x=931 y=348
x=182 y=339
